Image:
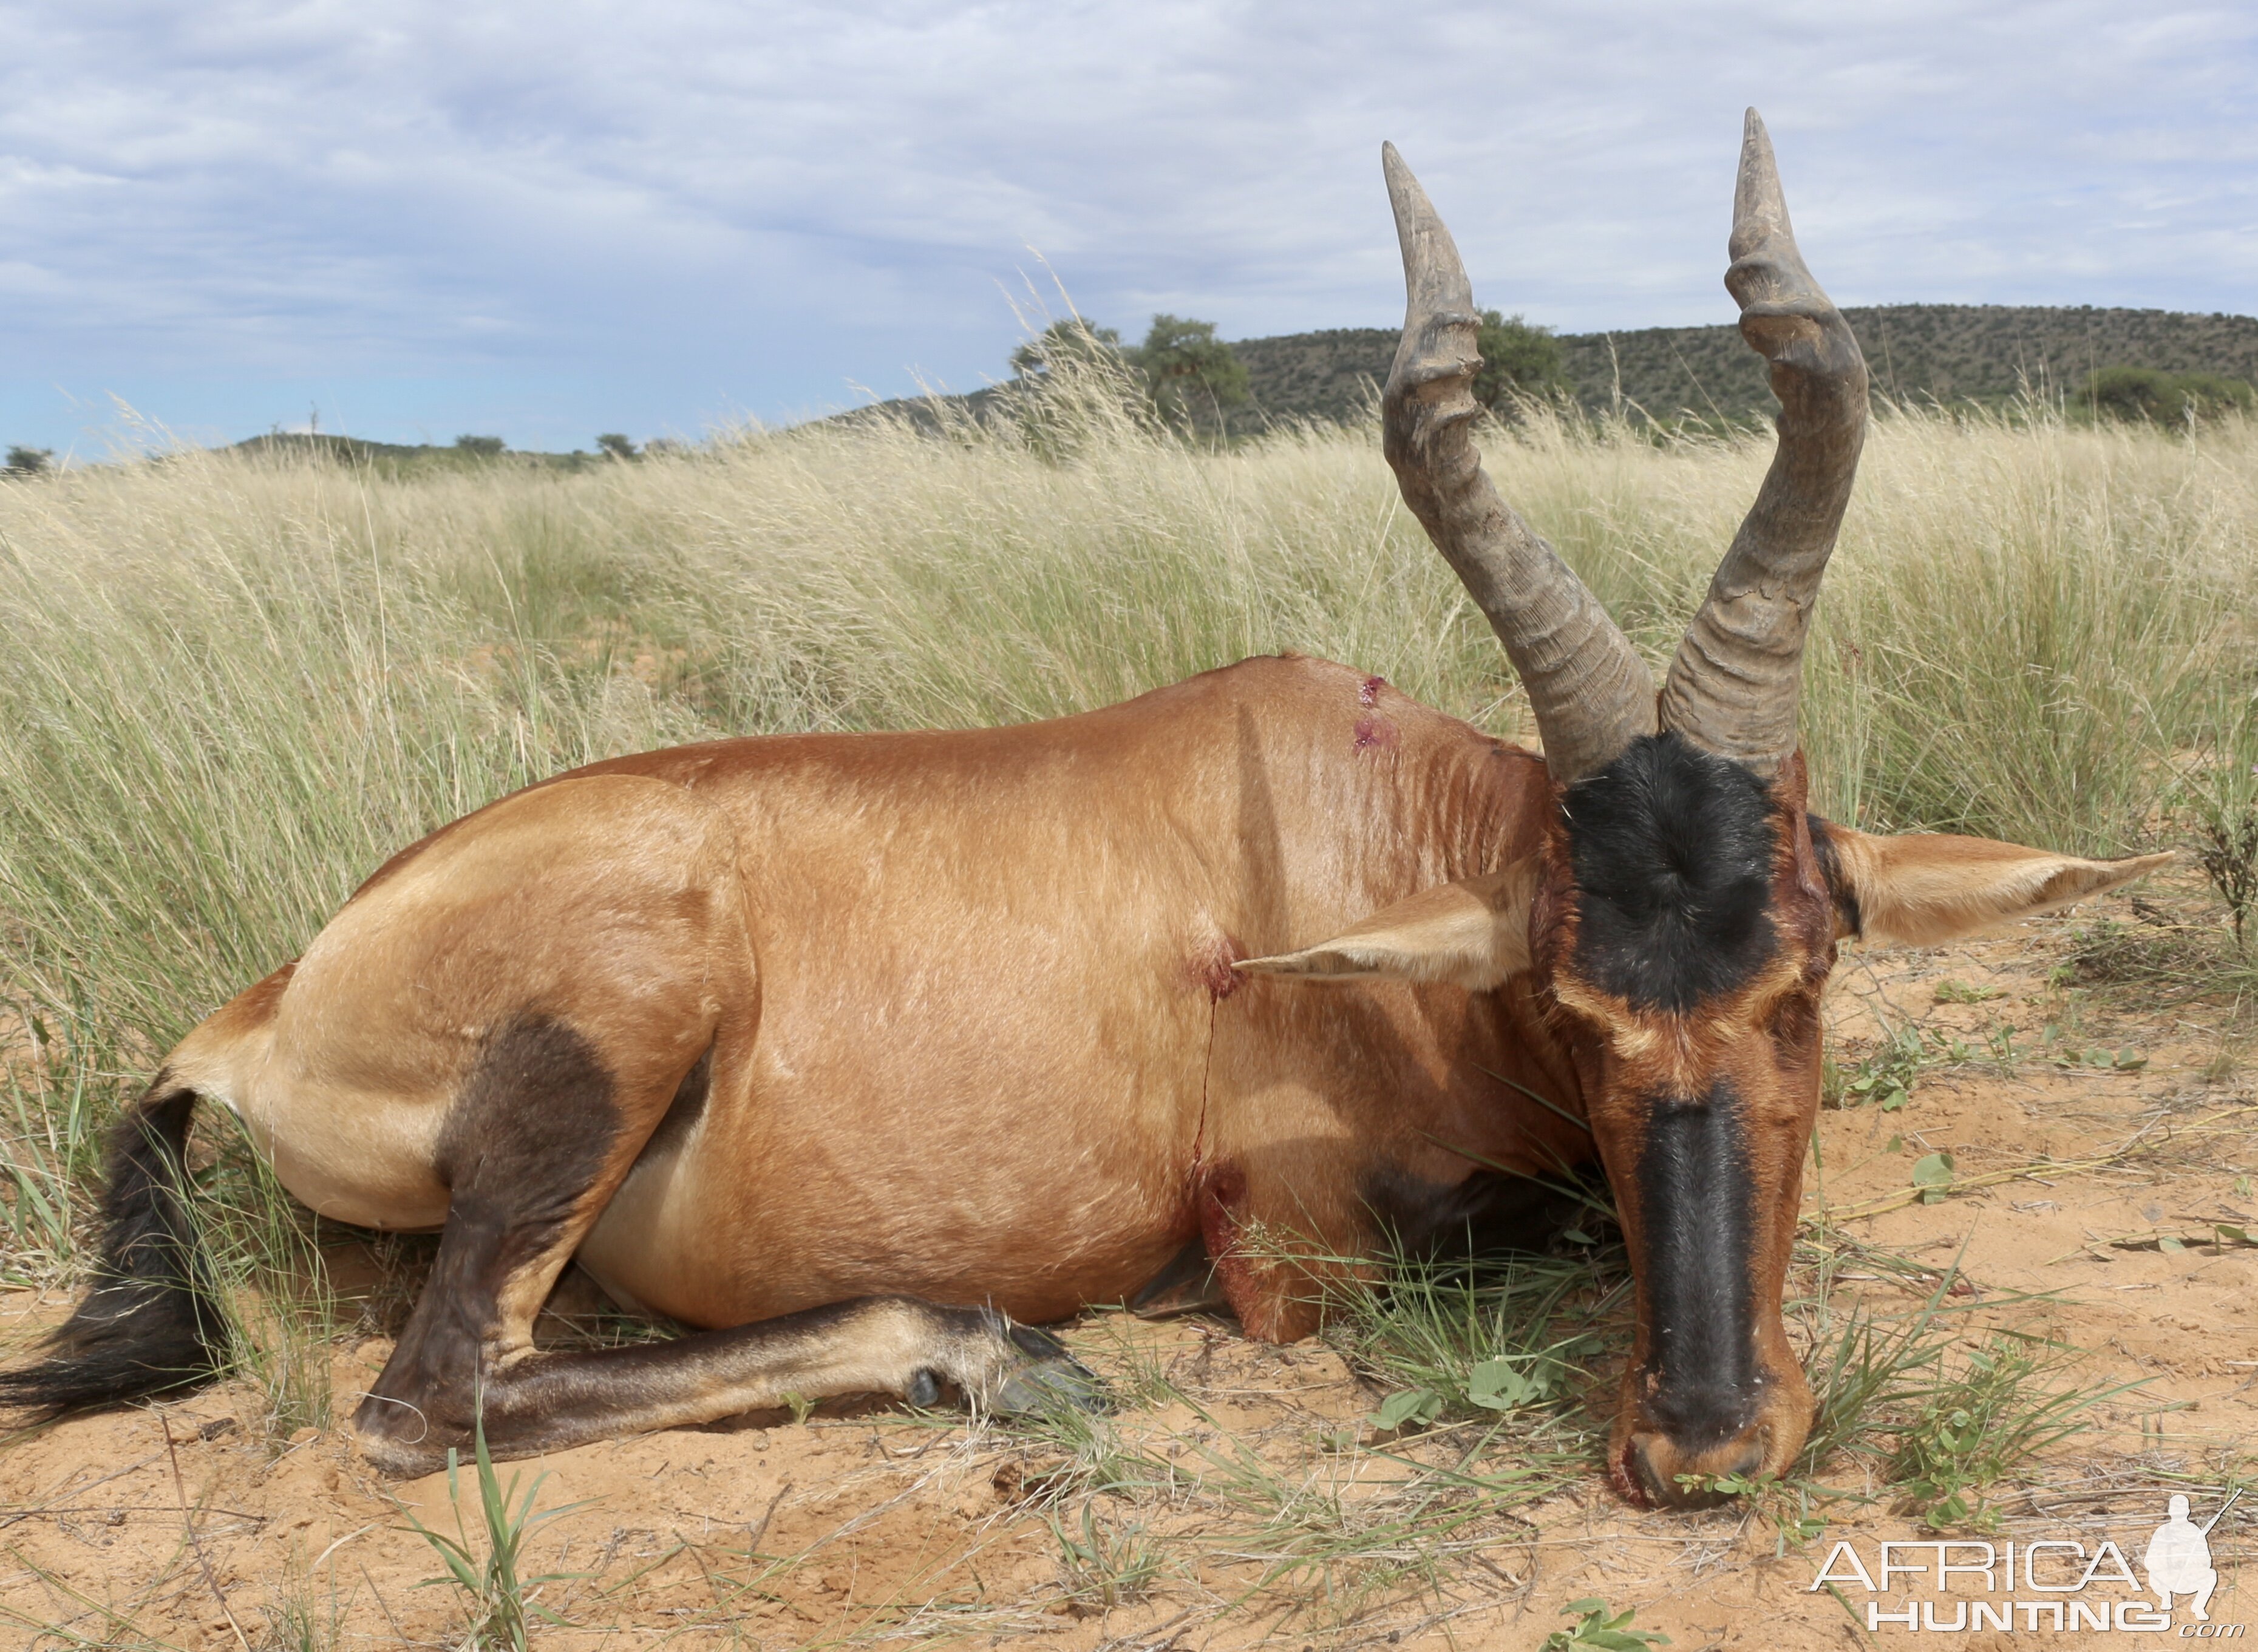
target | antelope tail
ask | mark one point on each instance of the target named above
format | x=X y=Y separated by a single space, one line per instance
x=153 y=1320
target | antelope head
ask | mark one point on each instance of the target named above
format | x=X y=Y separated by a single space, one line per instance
x=1682 y=914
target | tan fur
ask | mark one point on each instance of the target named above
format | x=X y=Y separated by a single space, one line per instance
x=1925 y=889
x=1007 y=1016
x=976 y=1032
x=1473 y=934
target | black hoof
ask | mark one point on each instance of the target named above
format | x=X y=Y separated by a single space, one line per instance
x=1051 y=1379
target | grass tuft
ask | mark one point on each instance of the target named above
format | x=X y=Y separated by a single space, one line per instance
x=488 y=1570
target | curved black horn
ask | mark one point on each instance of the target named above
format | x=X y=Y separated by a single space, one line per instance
x=1590 y=689
x=1732 y=688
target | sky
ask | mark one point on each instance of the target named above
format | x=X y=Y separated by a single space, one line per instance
x=412 y=221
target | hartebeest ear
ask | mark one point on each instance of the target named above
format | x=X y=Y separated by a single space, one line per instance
x=1475 y=933
x=1926 y=889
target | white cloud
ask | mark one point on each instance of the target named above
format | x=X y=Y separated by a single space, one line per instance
x=567 y=214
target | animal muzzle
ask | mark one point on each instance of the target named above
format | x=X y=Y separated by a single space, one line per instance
x=1671 y=1447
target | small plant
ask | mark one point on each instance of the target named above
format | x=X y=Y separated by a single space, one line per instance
x=1961 y=992
x=1885 y=1078
x=1451 y=1339
x=1932 y=1173
x=2228 y=855
x=297 y=1621
x=1105 y=1568
x=1503 y=1384
x=1785 y=1504
x=1974 y=1427
x=2064 y=1053
x=1601 y=1627
x=501 y=1602
x=2220 y=789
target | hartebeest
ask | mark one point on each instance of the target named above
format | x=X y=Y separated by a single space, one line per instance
x=855 y=1049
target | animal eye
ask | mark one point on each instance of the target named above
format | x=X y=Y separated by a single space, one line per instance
x=1794 y=1017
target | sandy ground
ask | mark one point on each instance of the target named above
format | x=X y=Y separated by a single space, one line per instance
x=185 y=1525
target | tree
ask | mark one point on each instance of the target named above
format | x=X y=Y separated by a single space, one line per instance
x=616 y=444
x=1192 y=373
x=480 y=447
x=1518 y=359
x=23 y=461
x=1072 y=339
x=2137 y=394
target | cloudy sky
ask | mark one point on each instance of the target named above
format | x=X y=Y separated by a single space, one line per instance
x=546 y=220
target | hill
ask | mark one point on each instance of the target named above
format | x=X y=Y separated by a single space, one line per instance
x=1917 y=352
x=395 y=458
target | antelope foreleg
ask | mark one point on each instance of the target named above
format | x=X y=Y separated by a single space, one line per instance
x=878 y=1345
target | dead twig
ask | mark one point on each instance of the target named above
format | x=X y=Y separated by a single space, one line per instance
x=188 y=1523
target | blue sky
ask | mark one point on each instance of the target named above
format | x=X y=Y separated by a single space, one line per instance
x=543 y=221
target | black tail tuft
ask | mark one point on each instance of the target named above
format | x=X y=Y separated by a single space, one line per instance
x=152 y=1321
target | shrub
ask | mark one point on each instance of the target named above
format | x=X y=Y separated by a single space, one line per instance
x=2157 y=397
x=1192 y=373
x=1518 y=359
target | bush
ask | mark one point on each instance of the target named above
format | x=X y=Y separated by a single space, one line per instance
x=480 y=446
x=1070 y=340
x=2152 y=395
x=29 y=461
x=1518 y=359
x=1192 y=373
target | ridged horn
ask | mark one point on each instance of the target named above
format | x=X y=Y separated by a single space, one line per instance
x=1732 y=688
x=1590 y=690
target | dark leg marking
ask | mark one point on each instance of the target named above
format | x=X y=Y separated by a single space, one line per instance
x=522 y=1148
x=1697 y=1231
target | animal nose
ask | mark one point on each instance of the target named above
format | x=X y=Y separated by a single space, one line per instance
x=1670 y=1476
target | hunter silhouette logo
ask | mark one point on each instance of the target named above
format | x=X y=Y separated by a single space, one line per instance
x=2178 y=1557
x=2049 y=1585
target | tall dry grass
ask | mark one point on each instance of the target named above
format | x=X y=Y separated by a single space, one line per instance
x=231 y=686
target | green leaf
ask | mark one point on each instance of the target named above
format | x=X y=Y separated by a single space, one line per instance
x=1499 y=1385
x=2167 y=1242
x=1407 y=1405
x=2231 y=1234
x=1933 y=1175
x=2126 y=1060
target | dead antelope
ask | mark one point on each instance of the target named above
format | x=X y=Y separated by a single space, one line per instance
x=862 y=1051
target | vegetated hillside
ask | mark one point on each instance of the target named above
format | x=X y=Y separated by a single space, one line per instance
x=1917 y=352
x=394 y=457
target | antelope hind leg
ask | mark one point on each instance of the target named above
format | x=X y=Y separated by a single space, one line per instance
x=536 y=1146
